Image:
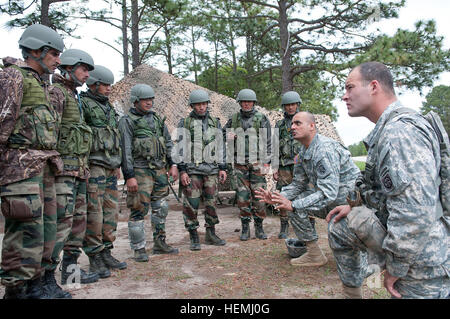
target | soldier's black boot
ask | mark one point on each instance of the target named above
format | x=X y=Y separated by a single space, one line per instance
x=245 y=234
x=160 y=246
x=195 y=241
x=259 y=231
x=284 y=229
x=52 y=289
x=110 y=261
x=140 y=255
x=66 y=271
x=16 y=292
x=211 y=238
x=34 y=289
x=96 y=265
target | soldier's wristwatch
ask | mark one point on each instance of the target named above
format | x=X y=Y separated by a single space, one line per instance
x=354 y=198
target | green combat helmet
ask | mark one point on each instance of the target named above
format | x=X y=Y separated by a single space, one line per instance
x=38 y=36
x=290 y=97
x=75 y=57
x=140 y=92
x=246 y=95
x=198 y=96
x=100 y=74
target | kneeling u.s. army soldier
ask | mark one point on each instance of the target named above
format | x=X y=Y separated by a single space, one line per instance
x=29 y=127
x=74 y=143
x=199 y=176
x=146 y=153
x=328 y=167
x=288 y=149
x=104 y=165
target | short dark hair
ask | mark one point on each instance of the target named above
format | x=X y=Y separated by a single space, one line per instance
x=377 y=71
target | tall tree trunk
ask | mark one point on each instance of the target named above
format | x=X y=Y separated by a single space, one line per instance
x=134 y=34
x=194 y=53
x=169 y=49
x=45 y=7
x=216 y=66
x=285 y=51
x=126 y=69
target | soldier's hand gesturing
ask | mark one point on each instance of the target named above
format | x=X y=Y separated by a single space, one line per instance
x=282 y=202
x=264 y=195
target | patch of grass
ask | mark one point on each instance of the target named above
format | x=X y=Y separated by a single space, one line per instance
x=361 y=165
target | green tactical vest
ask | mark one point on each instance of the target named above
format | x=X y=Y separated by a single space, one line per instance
x=257 y=119
x=189 y=124
x=75 y=137
x=289 y=147
x=37 y=124
x=147 y=143
x=104 y=127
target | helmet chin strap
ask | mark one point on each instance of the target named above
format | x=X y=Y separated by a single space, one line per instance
x=70 y=76
x=40 y=60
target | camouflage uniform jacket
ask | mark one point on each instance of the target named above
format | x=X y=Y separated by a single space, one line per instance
x=101 y=116
x=58 y=100
x=126 y=129
x=203 y=168
x=247 y=122
x=18 y=164
x=288 y=145
x=403 y=162
x=328 y=166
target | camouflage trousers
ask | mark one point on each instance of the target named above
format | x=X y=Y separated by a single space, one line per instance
x=29 y=208
x=285 y=175
x=71 y=212
x=201 y=186
x=249 y=178
x=102 y=210
x=153 y=187
x=353 y=238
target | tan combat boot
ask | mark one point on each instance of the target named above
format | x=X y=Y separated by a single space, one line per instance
x=352 y=292
x=313 y=256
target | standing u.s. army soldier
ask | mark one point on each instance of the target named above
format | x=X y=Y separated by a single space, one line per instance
x=288 y=149
x=244 y=143
x=146 y=153
x=326 y=165
x=74 y=143
x=402 y=220
x=199 y=176
x=29 y=127
x=104 y=166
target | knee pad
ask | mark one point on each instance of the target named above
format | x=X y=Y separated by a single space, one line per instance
x=136 y=233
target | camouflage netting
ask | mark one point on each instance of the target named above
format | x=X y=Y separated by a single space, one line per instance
x=171 y=101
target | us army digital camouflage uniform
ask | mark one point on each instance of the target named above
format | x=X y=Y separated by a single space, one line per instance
x=401 y=222
x=104 y=160
x=74 y=144
x=28 y=162
x=146 y=163
x=247 y=168
x=203 y=174
x=329 y=168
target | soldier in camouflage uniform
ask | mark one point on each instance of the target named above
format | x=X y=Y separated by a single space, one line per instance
x=402 y=220
x=146 y=153
x=104 y=165
x=326 y=165
x=288 y=149
x=242 y=133
x=29 y=127
x=74 y=143
x=199 y=176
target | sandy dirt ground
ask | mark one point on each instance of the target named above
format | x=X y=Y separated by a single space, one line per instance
x=255 y=269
